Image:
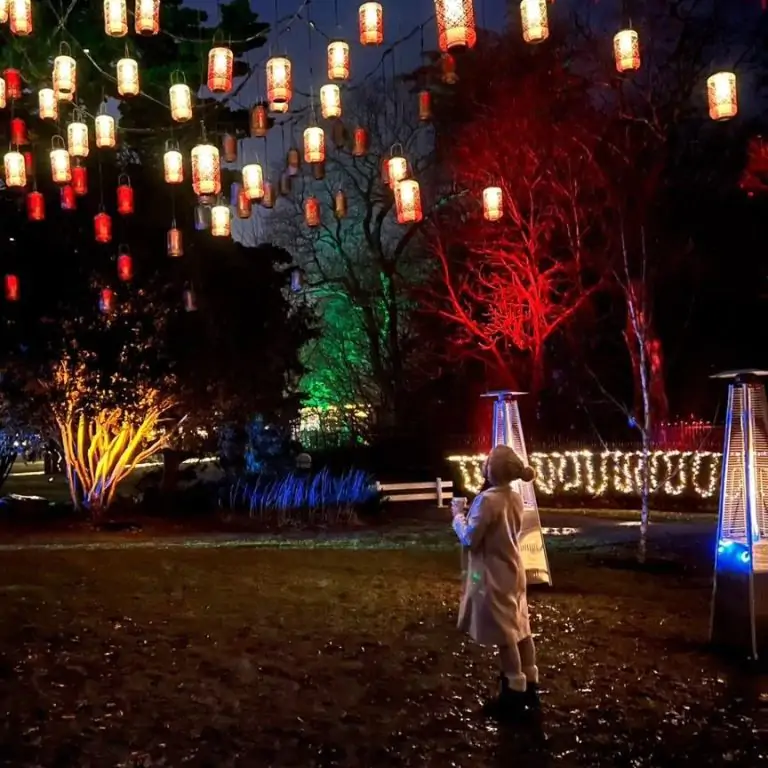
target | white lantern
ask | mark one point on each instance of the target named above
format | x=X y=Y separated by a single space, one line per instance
x=206 y=170
x=493 y=203
x=147 y=17
x=535 y=21
x=105 y=130
x=115 y=18
x=128 y=77
x=330 y=101
x=173 y=164
x=253 y=181
x=77 y=137
x=722 y=96
x=64 y=76
x=48 y=106
x=15 y=170
x=181 y=102
x=221 y=220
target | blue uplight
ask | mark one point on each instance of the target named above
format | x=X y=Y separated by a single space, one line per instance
x=733 y=553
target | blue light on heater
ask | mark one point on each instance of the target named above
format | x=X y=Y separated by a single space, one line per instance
x=733 y=553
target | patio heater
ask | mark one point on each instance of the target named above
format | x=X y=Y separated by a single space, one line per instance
x=508 y=430
x=739 y=620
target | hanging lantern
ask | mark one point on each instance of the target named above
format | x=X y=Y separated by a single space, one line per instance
x=408 y=201
x=21 y=17
x=297 y=280
x=80 y=180
x=268 y=201
x=397 y=168
x=3 y=96
x=371 y=21
x=535 y=21
x=11 y=283
x=221 y=221
x=202 y=217
x=493 y=203
x=190 y=300
x=293 y=161
x=314 y=144
x=243 y=206
x=181 y=102
x=285 y=185
x=340 y=204
x=312 y=212
x=147 y=17
x=128 y=77
x=106 y=300
x=124 y=264
x=48 y=105
x=339 y=134
x=722 y=96
x=425 y=106
x=124 y=195
x=115 y=18
x=102 y=227
x=68 y=198
x=173 y=163
x=455 y=24
x=77 y=136
x=29 y=163
x=360 y=142
x=64 y=74
x=318 y=171
x=175 y=242
x=253 y=181
x=35 y=206
x=4 y=11
x=448 y=69
x=61 y=171
x=279 y=82
x=385 y=171
x=338 y=60
x=278 y=107
x=259 y=121
x=206 y=170
x=15 y=170
x=220 y=63
x=104 y=128
x=626 y=50
x=330 y=101
x=18 y=132
x=229 y=148
x=12 y=78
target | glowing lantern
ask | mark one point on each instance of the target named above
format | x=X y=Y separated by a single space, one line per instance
x=448 y=69
x=397 y=169
x=115 y=18
x=330 y=101
x=408 y=201
x=48 y=105
x=626 y=50
x=206 y=170
x=181 y=102
x=147 y=17
x=259 y=121
x=293 y=161
x=29 y=164
x=279 y=82
x=493 y=203
x=15 y=170
x=11 y=288
x=340 y=204
x=61 y=171
x=35 y=206
x=221 y=221
x=80 y=180
x=102 y=227
x=173 y=164
x=371 y=18
x=722 y=96
x=312 y=212
x=12 y=78
x=104 y=128
x=455 y=24
x=535 y=21
x=4 y=10
x=360 y=142
x=229 y=148
x=253 y=181
x=21 y=17
x=124 y=195
x=106 y=300
x=68 y=199
x=128 y=77
x=190 y=300
x=314 y=144
x=425 y=106
x=64 y=74
x=385 y=171
x=175 y=242
x=338 y=60
x=220 y=63
x=279 y=108
x=268 y=201
x=3 y=98
x=18 y=132
x=124 y=264
x=243 y=206
x=77 y=137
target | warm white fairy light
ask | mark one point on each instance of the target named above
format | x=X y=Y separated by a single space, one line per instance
x=599 y=473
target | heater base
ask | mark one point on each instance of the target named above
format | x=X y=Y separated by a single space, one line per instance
x=734 y=610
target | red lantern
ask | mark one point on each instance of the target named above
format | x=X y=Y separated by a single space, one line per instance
x=448 y=67
x=360 y=142
x=68 y=200
x=175 y=242
x=124 y=265
x=243 y=206
x=12 y=79
x=220 y=63
x=456 y=23
x=371 y=24
x=229 y=148
x=102 y=227
x=312 y=212
x=80 y=180
x=35 y=206
x=18 y=132
x=11 y=288
x=408 y=201
x=29 y=164
x=425 y=106
x=125 y=196
x=106 y=300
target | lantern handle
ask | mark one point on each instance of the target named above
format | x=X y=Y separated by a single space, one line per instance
x=178 y=77
x=124 y=180
x=171 y=144
x=53 y=142
x=64 y=49
x=123 y=250
x=396 y=145
x=77 y=115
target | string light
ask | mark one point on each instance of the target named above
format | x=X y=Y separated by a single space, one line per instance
x=593 y=473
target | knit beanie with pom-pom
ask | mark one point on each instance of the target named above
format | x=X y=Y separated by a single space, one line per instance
x=505 y=466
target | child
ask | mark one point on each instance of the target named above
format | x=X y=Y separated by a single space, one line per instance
x=494 y=606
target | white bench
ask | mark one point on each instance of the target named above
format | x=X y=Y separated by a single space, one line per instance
x=438 y=490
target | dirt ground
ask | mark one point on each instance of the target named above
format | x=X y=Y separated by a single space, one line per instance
x=239 y=656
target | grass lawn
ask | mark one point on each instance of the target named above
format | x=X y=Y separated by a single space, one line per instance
x=263 y=657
